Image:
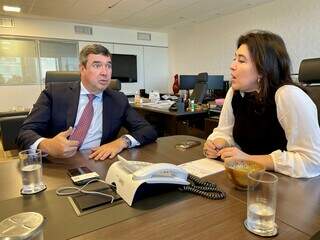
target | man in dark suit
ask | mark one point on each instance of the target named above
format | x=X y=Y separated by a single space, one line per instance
x=84 y=115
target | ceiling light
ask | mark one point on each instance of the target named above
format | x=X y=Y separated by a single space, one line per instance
x=11 y=9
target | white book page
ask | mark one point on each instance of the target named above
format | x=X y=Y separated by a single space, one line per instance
x=203 y=167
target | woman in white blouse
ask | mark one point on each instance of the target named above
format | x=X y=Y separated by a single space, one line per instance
x=266 y=117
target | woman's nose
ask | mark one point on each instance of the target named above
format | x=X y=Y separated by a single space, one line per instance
x=233 y=65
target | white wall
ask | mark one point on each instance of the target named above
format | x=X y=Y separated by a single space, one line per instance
x=210 y=46
x=115 y=39
x=17 y=97
x=155 y=65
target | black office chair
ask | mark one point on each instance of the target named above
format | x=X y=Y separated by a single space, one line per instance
x=115 y=84
x=309 y=76
x=10 y=127
x=60 y=76
x=200 y=88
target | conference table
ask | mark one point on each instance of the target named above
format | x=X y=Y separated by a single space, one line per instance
x=169 y=215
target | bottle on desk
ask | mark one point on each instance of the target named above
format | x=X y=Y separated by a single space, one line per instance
x=185 y=100
x=137 y=98
x=192 y=105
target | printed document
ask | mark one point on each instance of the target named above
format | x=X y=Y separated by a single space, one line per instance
x=203 y=167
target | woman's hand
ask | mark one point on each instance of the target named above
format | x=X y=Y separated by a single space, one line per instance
x=232 y=153
x=212 y=147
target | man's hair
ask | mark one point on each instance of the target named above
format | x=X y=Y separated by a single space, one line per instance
x=92 y=49
x=269 y=54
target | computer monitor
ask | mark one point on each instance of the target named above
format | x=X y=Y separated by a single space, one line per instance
x=124 y=67
x=187 y=81
x=215 y=82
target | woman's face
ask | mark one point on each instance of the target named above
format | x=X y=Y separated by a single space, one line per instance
x=244 y=74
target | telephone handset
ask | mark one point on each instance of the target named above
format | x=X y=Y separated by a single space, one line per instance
x=162 y=173
x=155 y=172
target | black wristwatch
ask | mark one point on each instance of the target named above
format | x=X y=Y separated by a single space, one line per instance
x=127 y=141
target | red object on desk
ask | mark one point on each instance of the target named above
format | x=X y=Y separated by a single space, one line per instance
x=175 y=86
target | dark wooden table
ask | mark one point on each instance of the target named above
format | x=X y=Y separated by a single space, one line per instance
x=298 y=208
x=14 y=113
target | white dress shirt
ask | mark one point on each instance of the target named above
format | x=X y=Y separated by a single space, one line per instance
x=94 y=134
x=297 y=115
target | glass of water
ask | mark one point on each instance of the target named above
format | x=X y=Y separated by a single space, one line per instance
x=31 y=171
x=261 y=203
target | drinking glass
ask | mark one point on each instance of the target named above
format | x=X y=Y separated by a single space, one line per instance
x=25 y=225
x=31 y=171
x=261 y=203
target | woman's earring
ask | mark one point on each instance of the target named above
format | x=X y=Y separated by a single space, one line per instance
x=258 y=80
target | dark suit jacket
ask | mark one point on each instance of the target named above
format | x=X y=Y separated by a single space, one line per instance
x=56 y=110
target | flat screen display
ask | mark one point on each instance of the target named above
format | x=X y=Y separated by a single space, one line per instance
x=124 y=67
x=215 y=82
x=187 y=81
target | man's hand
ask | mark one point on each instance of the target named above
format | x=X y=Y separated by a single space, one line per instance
x=212 y=147
x=108 y=150
x=59 y=146
x=233 y=153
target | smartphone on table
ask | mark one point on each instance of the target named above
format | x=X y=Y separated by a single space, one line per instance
x=188 y=144
x=82 y=175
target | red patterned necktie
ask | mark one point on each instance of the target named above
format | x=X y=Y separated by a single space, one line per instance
x=82 y=128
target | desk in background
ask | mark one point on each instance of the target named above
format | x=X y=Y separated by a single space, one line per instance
x=169 y=123
x=14 y=113
x=192 y=217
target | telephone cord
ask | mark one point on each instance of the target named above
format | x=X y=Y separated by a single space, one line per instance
x=203 y=188
x=67 y=191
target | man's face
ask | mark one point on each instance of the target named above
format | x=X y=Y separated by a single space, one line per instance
x=96 y=75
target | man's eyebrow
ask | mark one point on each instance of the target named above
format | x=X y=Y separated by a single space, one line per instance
x=101 y=62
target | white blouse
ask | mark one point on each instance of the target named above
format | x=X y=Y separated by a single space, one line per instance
x=297 y=115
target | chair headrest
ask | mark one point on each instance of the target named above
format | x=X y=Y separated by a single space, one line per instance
x=202 y=77
x=309 y=71
x=57 y=76
x=115 y=84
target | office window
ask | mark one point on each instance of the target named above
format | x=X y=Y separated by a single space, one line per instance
x=18 y=62
x=58 y=56
x=26 y=61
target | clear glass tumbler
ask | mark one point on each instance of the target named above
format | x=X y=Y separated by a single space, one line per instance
x=31 y=171
x=261 y=203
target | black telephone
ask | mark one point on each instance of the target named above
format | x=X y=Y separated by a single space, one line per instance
x=177 y=106
x=173 y=107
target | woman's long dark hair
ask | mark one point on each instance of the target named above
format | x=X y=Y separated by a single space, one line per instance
x=270 y=56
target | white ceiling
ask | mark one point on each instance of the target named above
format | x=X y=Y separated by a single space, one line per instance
x=156 y=15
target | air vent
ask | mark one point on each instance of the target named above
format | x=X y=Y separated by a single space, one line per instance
x=83 y=30
x=6 y=22
x=144 y=36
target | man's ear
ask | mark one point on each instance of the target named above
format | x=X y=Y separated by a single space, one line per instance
x=82 y=67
